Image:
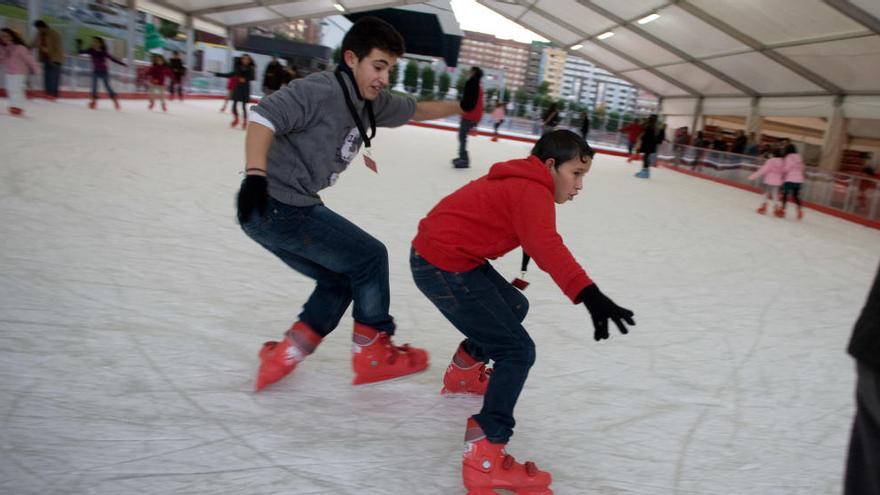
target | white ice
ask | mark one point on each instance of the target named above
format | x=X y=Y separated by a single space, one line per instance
x=132 y=308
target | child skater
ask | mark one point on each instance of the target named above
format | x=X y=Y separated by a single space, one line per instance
x=498 y=116
x=178 y=72
x=230 y=86
x=242 y=73
x=513 y=205
x=156 y=76
x=17 y=64
x=793 y=170
x=772 y=171
x=100 y=55
x=299 y=140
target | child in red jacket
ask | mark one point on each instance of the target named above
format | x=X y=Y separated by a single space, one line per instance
x=511 y=206
x=157 y=74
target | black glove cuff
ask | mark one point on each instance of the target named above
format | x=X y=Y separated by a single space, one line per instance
x=588 y=293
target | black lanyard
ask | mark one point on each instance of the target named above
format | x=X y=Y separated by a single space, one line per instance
x=351 y=109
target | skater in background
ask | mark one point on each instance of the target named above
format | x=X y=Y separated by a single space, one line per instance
x=157 y=74
x=290 y=74
x=498 y=118
x=99 y=55
x=863 y=459
x=230 y=86
x=50 y=47
x=550 y=119
x=300 y=139
x=632 y=130
x=585 y=124
x=513 y=205
x=17 y=64
x=273 y=76
x=470 y=118
x=178 y=73
x=650 y=138
x=793 y=177
x=242 y=73
x=773 y=172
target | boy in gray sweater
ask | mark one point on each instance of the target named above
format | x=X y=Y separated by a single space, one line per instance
x=299 y=140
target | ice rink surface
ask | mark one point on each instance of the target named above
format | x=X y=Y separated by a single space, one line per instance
x=132 y=308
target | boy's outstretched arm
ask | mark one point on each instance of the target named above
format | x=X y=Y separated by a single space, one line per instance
x=428 y=110
x=254 y=193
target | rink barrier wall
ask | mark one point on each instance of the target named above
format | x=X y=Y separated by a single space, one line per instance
x=719 y=180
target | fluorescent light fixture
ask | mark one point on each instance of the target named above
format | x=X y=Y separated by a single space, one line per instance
x=648 y=18
x=605 y=35
x=577 y=47
x=339 y=7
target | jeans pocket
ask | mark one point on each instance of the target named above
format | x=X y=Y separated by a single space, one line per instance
x=435 y=287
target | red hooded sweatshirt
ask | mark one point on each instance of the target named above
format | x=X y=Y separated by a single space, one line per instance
x=511 y=206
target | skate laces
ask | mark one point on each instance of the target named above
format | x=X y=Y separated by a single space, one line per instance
x=509 y=462
x=396 y=350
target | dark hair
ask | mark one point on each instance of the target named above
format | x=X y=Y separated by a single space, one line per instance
x=779 y=152
x=790 y=148
x=478 y=72
x=371 y=32
x=100 y=41
x=562 y=146
x=15 y=37
x=40 y=24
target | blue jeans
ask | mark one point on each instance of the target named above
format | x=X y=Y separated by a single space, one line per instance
x=347 y=263
x=104 y=77
x=464 y=127
x=51 y=77
x=489 y=311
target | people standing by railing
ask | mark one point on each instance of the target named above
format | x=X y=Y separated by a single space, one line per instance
x=51 y=53
x=99 y=54
x=652 y=135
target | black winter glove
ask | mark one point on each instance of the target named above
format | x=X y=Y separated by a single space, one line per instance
x=602 y=308
x=253 y=195
x=471 y=93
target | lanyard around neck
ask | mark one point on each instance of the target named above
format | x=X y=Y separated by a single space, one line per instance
x=351 y=109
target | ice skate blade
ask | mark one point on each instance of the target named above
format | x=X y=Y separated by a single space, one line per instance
x=460 y=395
x=358 y=380
x=521 y=491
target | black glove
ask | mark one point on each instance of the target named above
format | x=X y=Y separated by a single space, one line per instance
x=471 y=93
x=602 y=308
x=253 y=195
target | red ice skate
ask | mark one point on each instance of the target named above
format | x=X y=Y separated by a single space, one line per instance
x=164 y=108
x=150 y=106
x=486 y=467
x=244 y=124
x=375 y=358
x=800 y=213
x=779 y=212
x=234 y=122
x=278 y=359
x=465 y=376
x=16 y=111
x=93 y=104
x=116 y=103
x=762 y=210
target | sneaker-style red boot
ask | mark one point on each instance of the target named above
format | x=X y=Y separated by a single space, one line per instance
x=779 y=212
x=234 y=122
x=485 y=467
x=278 y=359
x=116 y=103
x=18 y=112
x=465 y=376
x=762 y=210
x=375 y=358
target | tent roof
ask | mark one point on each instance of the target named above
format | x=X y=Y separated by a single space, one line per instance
x=696 y=48
x=719 y=49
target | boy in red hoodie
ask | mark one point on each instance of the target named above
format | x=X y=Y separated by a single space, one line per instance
x=511 y=206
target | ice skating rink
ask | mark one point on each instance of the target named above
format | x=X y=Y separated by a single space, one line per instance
x=132 y=308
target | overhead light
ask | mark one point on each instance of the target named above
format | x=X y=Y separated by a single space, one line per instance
x=576 y=47
x=648 y=18
x=339 y=7
x=605 y=35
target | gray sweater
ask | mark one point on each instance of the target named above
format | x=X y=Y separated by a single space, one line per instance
x=315 y=135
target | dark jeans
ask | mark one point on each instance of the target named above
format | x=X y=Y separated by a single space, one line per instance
x=104 y=77
x=51 y=77
x=793 y=188
x=176 y=85
x=489 y=311
x=863 y=461
x=464 y=127
x=346 y=262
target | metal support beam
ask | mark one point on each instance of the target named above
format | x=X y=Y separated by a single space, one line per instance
x=34 y=12
x=855 y=13
x=130 y=18
x=630 y=59
x=190 y=42
x=698 y=112
x=668 y=47
x=758 y=46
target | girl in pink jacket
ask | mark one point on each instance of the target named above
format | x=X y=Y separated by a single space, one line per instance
x=772 y=171
x=17 y=63
x=793 y=170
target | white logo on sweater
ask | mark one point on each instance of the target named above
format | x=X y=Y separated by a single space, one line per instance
x=350 y=146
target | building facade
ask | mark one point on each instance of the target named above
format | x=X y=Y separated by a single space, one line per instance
x=584 y=83
x=552 y=70
x=487 y=51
